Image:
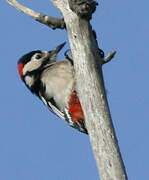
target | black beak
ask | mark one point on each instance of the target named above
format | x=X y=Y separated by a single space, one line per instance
x=54 y=52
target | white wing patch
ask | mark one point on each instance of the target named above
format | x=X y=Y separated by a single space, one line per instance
x=68 y=117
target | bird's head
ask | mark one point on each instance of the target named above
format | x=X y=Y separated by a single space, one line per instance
x=33 y=63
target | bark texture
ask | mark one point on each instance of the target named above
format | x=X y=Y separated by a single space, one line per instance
x=91 y=91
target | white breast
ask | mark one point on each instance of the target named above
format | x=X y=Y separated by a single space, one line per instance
x=59 y=81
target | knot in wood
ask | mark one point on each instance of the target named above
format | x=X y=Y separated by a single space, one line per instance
x=83 y=8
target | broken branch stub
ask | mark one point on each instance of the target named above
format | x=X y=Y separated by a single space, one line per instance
x=83 y=8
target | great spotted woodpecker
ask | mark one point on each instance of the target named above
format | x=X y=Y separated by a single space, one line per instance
x=54 y=83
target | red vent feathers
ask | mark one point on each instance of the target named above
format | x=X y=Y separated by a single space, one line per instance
x=75 y=109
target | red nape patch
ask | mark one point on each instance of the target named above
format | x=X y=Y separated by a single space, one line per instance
x=75 y=109
x=20 y=69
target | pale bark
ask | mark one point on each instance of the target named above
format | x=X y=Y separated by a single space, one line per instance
x=91 y=91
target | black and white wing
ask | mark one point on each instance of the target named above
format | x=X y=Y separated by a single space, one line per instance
x=52 y=107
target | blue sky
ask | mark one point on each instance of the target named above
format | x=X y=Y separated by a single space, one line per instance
x=35 y=144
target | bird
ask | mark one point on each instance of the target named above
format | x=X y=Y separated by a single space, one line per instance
x=54 y=84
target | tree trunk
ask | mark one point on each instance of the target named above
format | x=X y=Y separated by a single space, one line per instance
x=91 y=91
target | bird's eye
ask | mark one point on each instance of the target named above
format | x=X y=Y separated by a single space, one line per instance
x=38 y=56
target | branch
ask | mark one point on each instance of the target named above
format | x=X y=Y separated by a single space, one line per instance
x=83 y=8
x=42 y=18
x=91 y=92
x=109 y=57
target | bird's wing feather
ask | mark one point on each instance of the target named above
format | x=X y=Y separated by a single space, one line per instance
x=52 y=107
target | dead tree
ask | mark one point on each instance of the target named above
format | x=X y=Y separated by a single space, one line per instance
x=89 y=77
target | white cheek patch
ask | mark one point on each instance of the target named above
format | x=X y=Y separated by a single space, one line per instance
x=29 y=80
x=31 y=66
x=35 y=63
